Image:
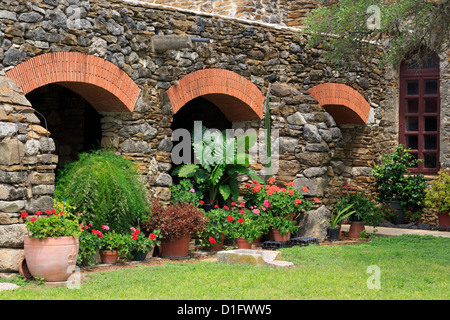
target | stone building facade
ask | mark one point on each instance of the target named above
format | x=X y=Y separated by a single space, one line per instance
x=125 y=74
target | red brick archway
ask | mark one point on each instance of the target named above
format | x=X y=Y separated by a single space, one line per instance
x=238 y=98
x=104 y=85
x=345 y=104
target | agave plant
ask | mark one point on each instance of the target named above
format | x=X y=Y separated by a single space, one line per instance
x=220 y=159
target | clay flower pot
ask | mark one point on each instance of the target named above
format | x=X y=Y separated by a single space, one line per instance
x=176 y=248
x=356 y=227
x=444 y=219
x=219 y=245
x=52 y=259
x=243 y=243
x=109 y=256
x=277 y=236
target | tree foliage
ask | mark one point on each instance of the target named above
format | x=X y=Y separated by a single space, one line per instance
x=351 y=30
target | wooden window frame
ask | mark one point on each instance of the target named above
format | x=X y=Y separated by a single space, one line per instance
x=420 y=75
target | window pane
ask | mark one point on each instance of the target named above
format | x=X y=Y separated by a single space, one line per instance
x=430 y=160
x=412 y=87
x=430 y=142
x=430 y=123
x=431 y=106
x=412 y=123
x=412 y=142
x=431 y=86
x=412 y=106
x=430 y=63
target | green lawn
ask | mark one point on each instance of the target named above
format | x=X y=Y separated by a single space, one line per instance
x=411 y=267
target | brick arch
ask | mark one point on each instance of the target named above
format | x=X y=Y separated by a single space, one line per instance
x=104 y=85
x=238 y=98
x=345 y=104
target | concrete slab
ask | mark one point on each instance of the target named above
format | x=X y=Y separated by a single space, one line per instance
x=249 y=256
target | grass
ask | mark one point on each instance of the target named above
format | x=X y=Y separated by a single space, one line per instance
x=411 y=268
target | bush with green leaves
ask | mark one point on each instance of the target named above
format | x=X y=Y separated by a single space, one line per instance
x=106 y=188
x=438 y=196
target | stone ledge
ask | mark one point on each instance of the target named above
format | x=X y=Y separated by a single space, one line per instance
x=252 y=257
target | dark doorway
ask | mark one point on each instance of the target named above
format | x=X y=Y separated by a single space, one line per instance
x=73 y=123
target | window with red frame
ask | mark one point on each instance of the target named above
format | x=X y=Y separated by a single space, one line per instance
x=419 y=112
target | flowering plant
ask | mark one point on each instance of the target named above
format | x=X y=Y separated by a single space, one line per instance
x=249 y=224
x=175 y=220
x=216 y=226
x=184 y=191
x=51 y=225
x=110 y=240
x=278 y=201
x=142 y=242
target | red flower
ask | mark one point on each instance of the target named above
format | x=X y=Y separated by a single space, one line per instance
x=202 y=202
x=241 y=211
x=316 y=199
x=216 y=207
x=33 y=220
x=291 y=192
x=297 y=201
x=271 y=180
x=136 y=231
x=226 y=207
x=53 y=211
x=230 y=218
x=38 y=213
x=134 y=236
x=24 y=214
x=212 y=240
x=256 y=189
x=248 y=185
x=152 y=236
x=98 y=233
x=287 y=184
x=233 y=203
x=48 y=212
x=240 y=220
x=305 y=189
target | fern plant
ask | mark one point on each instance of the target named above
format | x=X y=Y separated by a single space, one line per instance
x=106 y=189
x=221 y=159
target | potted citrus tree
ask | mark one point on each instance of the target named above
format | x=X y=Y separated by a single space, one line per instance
x=176 y=222
x=438 y=197
x=51 y=246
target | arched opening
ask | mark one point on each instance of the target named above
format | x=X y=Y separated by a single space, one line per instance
x=74 y=125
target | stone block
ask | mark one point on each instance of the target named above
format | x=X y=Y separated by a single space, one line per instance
x=11 y=236
x=163 y=43
x=12 y=206
x=11 y=151
x=316 y=186
x=10 y=259
x=312 y=225
x=248 y=256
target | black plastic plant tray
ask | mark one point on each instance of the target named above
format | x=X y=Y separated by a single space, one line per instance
x=303 y=241
x=276 y=244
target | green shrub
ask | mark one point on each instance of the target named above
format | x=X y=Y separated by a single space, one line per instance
x=106 y=188
x=438 y=196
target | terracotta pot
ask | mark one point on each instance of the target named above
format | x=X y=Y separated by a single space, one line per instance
x=257 y=240
x=109 y=256
x=219 y=245
x=243 y=243
x=176 y=248
x=52 y=259
x=277 y=236
x=356 y=227
x=444 y=219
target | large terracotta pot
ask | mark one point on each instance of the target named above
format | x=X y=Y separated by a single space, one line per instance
x=176 y=248
x=356 y=227
x=277 y=236
x=243 y=243
x=52 y=259
x=444 y=219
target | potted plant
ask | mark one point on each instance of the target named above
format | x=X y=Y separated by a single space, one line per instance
x=221 y=159
x=112 y=244
x=395 y=185
x=141 y=245
x=282 y=204
x=176 y=222
x=246 y=226
x=51 y=246
x=338 y=215
x=216 y=230
x=90 y=243
x=184 y=191
x=438 y=197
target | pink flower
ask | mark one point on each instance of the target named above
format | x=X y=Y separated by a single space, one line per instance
x=216 y=207
x=256 y=211
x=226 y=207
x=105 y=227
x=233 y=203
x=192 y=190
x=266 y=203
